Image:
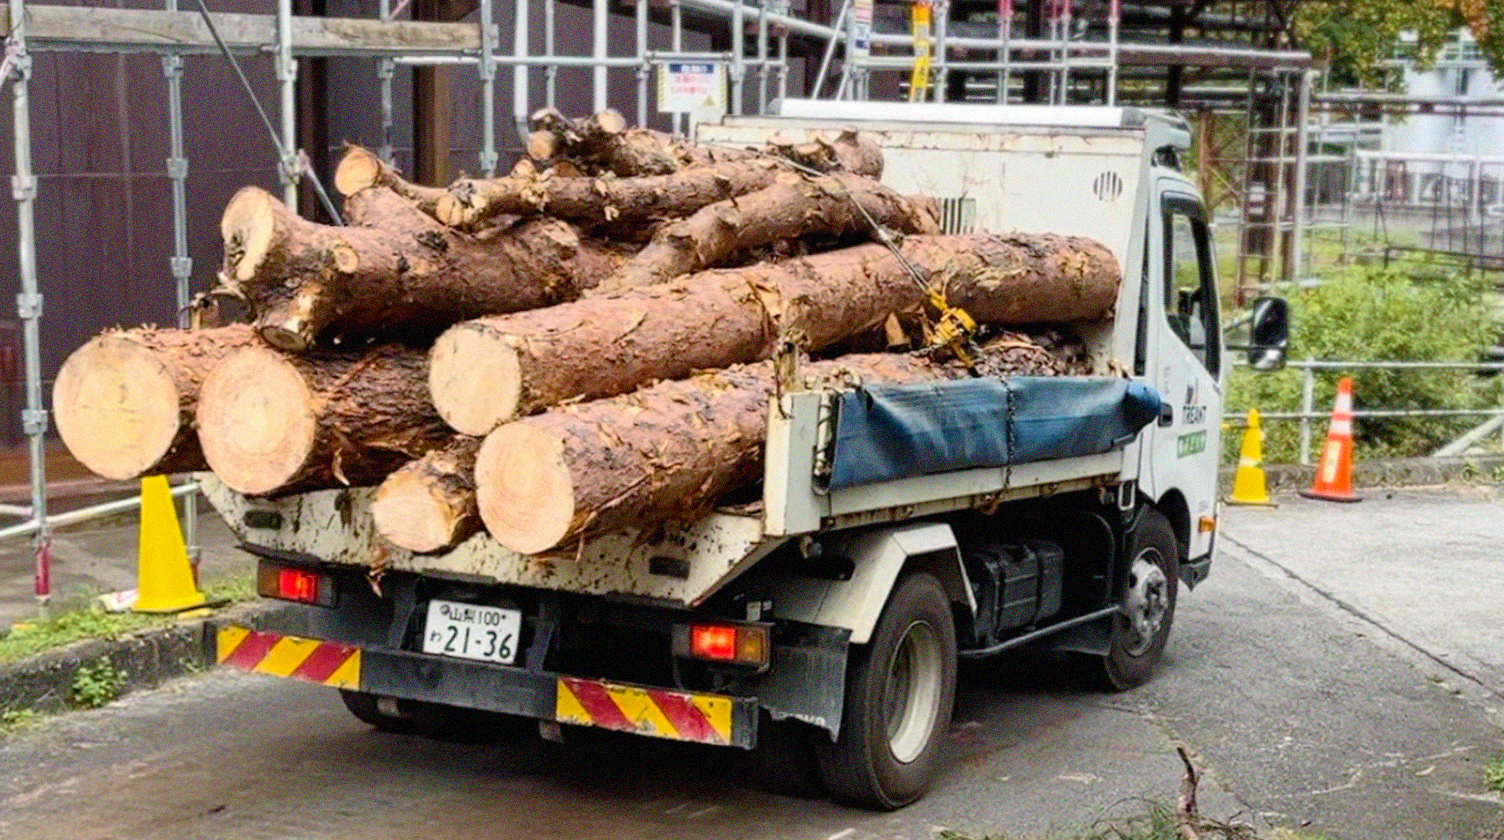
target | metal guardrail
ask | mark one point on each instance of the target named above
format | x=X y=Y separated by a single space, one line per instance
x=1308 y=413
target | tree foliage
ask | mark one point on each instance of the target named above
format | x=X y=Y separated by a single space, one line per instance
x=1357 y=37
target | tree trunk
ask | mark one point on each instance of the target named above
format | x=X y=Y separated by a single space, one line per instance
x=624 y=204
x=485 y=372
x=429 y=504
x=361 y=168
x=275 y=423
x=667 y=452
x=605 y=143
x=793 y=206
x=125 y=401
x=408 y=277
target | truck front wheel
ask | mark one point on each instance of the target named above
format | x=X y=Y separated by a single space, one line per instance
x=1140 y=631
x=898 y=702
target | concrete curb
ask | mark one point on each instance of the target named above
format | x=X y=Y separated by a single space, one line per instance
x=145 y=660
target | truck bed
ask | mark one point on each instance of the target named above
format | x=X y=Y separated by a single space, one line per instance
x=684 y=564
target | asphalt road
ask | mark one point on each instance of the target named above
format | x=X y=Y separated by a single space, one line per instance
x=1339 y=673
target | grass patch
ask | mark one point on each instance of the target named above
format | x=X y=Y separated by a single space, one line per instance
x=1493 y=773
x=16 y=720
x=78 y=625
x=96 y=684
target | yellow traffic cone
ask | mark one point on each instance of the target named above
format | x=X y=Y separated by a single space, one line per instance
x=164 y=579
x=1248 y=484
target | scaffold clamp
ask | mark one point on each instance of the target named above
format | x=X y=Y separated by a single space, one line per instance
x=23 y=187
x=29 y=305
x=34 y=421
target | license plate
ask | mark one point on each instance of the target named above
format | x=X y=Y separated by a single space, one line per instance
x=471 y=631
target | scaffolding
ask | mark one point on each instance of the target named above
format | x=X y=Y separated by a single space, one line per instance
x=1074 y=68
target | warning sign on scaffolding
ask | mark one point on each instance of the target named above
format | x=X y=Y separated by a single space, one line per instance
x=859 y=32
x=691 y=88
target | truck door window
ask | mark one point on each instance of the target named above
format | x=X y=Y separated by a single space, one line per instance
x=1190 y=284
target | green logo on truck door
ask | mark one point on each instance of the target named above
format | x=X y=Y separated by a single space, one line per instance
x=1190 y=444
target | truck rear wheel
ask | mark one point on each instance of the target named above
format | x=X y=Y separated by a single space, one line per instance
x=1140 y=631
x=898 y=703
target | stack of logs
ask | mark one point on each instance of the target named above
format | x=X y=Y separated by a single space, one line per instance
x=587 y=344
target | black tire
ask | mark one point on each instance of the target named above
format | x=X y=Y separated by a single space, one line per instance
x=899 y=695
x=435 y=720
x=784 y=761
x=1138 y=638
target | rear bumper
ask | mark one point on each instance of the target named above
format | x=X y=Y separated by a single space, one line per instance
x=643 y=710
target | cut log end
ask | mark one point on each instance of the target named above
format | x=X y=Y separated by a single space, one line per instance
x=256 y=421
x=117 y=407
x=411 y=515
x=247 y=226
x=359 y=169
x=524 y=489
x=475 y=379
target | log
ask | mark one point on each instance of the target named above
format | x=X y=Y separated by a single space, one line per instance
x=667 y=452
x=791 y=207
x=276 y=423
x=603 y=143
x=125 y=401
x=407 y=277
x=361 y=168
x=485 y=372
x=429 y=504
x=624 y=203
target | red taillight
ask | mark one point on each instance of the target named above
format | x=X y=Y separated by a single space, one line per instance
x=711 y=641
x=736 y=644
x=297 y=585
x=293 y=584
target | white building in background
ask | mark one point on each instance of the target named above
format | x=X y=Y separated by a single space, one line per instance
x=1460 y=72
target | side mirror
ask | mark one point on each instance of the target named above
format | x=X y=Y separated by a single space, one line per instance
x=1269 y=334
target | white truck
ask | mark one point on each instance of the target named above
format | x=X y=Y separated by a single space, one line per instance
x=820 y=625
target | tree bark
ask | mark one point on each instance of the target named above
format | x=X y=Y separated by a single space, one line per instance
x=125 y=401
x=407 y=277
x=429 y=504
x=276 y=423
x=667 y=452
x=622 y=204
x=793 y=206
x=491 y=370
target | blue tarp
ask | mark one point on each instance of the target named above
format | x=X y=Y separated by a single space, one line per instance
x=896 y=431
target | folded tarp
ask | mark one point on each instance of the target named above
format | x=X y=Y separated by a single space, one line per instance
x=896 y=431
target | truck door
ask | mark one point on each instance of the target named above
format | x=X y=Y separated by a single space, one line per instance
x=1185 y=357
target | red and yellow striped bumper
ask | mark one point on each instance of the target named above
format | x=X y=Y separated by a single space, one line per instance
x=705 y=718
x=656 y=712
x=288 y=656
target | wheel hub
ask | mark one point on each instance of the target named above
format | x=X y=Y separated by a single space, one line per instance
x=912 y=694
x=1146 y=602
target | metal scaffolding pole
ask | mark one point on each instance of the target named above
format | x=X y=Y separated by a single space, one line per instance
x=180 y=263
x=287 y=80
x=521 y=30
x=600 y=17
x=551 y=72
x=1298 y=200
x=641 y=22
x=738 y=47
x=488 y=88
x=29 y=301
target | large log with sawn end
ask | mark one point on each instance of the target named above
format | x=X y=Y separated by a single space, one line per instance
x=125 y=401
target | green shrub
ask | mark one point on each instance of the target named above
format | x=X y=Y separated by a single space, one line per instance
x=96 y=684
x=1411 y=312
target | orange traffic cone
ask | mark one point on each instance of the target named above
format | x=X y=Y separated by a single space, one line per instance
x=1249 y=486
x=1334 y=475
